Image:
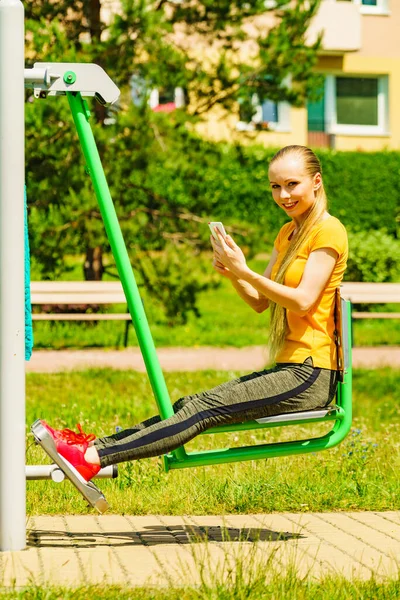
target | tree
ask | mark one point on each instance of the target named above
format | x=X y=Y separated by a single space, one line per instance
x=152 y=40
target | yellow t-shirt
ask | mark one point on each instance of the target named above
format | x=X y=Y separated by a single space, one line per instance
x=313 y=334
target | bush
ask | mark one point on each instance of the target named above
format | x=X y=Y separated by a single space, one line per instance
x=173 y=283
x=373 y=256
x=230 y=183
x=363 y=189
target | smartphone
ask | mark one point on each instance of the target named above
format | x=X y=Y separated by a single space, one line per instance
x=219 y=226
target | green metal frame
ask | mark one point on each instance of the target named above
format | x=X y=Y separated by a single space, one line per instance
x=179 y=458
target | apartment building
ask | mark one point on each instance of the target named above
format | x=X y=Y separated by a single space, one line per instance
x=360 y=61
x=359 y=108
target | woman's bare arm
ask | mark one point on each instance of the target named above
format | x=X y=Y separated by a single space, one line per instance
x=256 y=300
x=249 y=293
x=317 y=272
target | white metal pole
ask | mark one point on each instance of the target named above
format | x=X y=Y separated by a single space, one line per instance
x=12 y=326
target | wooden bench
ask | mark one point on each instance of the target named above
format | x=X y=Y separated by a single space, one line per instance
x=83 y=293
x=372 y=293
x=79 y=294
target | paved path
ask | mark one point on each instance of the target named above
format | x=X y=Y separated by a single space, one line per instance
x=158 y=550
x=189 y=359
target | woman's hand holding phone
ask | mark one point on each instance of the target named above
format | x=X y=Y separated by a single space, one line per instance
x=229 y=259
x=217 y=225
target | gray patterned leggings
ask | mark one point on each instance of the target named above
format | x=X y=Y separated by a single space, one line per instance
x=287 y=387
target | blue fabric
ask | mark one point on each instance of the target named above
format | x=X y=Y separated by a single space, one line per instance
x=28 y=310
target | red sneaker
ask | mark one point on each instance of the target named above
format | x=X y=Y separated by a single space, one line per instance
x=75 y=455
x=72 y=446
x=68 y=435
x=55 y=433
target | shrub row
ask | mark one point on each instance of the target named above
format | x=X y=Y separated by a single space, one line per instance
x=230 y=183
x=363 y=188
x=373 y=256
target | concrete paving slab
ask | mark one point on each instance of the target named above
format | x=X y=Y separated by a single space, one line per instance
x=277 y=549
x=368 y=534
x=330 y=558
x=105 y=565
x=44 y=535
x=179 y=550
x=379 y=523
x=63 y=567
x=350 y=546
x=392 y=516
x=166 y=556
x=16 y=568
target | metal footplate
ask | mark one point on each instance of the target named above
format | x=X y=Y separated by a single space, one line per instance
x=88 y=490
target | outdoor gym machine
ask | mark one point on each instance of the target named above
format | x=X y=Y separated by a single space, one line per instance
x=69 y=83
x=65 y=79
x=76 y=81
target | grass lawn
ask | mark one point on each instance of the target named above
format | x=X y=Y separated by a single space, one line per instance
x=280 y=588
x=360 y=474
x=225 y=321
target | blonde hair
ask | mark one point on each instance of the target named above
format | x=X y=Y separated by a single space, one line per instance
x=278 y=323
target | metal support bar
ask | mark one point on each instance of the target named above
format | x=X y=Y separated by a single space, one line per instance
x=120 y=253
x=38 y=472
x=39 y=77
x=12 y=324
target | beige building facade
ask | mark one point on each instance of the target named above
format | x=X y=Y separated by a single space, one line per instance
x=360 y=62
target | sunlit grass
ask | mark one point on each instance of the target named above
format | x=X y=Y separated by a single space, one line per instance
x=361 y=473
x=245 y=579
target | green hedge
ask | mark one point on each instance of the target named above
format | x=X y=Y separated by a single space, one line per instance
x=232 y=183
x=364 y=189
x=373 y=256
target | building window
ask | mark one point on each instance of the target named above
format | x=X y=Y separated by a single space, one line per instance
x=356 y=105
x=269 y=112
x=372 y=7
x=268 y=115
x=356 y=101
x=166 y=99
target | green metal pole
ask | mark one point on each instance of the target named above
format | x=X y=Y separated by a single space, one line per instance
x=347 y=389
x=81 y=116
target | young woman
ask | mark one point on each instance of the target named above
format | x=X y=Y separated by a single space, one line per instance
x=307 y=265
